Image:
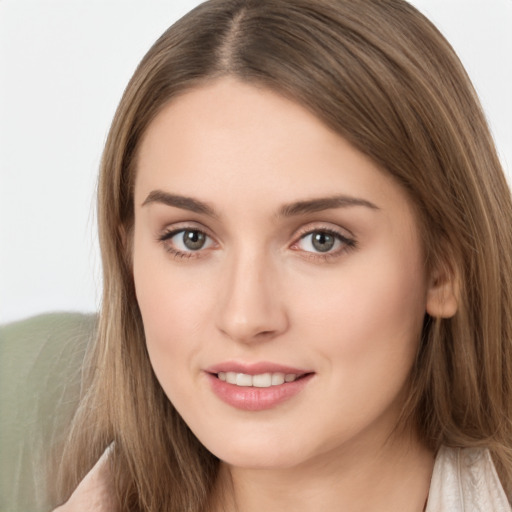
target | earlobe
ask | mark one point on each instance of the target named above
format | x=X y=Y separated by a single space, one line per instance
x=443 y=294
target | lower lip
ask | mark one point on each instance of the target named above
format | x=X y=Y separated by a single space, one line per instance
x=256 y=399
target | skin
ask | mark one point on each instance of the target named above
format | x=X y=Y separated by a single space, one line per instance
x=259 y=290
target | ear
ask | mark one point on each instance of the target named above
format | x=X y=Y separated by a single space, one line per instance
x=443 y=293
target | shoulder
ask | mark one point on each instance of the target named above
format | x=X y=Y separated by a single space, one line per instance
x=466 y=480
x=96 y=491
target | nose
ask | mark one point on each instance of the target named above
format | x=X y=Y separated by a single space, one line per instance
x=251 y=308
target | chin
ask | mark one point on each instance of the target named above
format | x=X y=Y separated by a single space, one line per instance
x=250 y=453
x=261 y=460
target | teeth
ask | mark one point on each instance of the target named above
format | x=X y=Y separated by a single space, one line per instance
x=262 y=380
x=243 y=380
x=277 y=379
x=231 y=377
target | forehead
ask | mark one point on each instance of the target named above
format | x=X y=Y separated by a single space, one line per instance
x=239 y=144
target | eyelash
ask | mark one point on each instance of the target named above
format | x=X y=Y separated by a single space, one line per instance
x=347 y=243
x=176 y=253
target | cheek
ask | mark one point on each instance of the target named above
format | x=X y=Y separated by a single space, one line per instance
x=167 y=296
x=163 y=305
x=170 y=309
x=175 y=306
x=166 y=316
x=365 y=325
x=369 y=316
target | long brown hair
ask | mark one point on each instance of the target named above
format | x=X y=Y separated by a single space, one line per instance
x=382 y=76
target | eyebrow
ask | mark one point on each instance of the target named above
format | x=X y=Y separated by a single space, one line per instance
x=288 y=210
x=323 y=203
x=178 y=201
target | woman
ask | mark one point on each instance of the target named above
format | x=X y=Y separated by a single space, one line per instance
x=306 y=242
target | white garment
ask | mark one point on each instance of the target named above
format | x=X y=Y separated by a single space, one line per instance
x=465 y=480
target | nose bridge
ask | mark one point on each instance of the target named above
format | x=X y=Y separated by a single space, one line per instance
x=251 y=307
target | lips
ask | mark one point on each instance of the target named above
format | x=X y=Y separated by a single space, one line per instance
x=256 y=387
x=255 y=368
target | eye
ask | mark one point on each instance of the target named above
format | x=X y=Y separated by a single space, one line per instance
x=185 y=241
x=323 y=241
x=319 y=241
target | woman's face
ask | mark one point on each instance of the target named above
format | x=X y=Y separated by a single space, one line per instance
x=280 y=277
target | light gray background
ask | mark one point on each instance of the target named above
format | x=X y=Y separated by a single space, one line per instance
x=63 y=67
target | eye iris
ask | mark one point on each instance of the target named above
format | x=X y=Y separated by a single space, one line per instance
x=323 y=242
x=193 y=240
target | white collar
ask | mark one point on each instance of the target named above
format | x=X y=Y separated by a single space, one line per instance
x=465 y=480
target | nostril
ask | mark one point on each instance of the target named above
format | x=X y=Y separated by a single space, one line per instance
x=265 y=334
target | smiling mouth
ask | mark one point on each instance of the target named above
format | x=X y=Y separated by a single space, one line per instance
x=257 y=390
x=262 y=380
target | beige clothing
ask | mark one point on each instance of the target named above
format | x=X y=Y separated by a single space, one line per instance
x=465 y=480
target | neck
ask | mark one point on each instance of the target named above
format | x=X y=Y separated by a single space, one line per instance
x=393 y=476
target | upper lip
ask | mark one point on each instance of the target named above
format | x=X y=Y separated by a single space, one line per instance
x=255 y=368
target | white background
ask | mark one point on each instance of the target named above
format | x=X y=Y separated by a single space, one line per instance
x=63 y=67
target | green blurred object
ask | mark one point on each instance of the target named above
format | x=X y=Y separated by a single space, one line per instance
x=40 y=373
